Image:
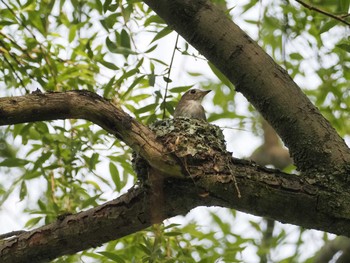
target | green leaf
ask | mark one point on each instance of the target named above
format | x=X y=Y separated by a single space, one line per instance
x=148 y=108
x=167 y=80
x=109 y=21
x=145 y=249
x=99 y=6
x=328 y=25
x=132 y=86
x=127 y=74
x=109 y=65
x=160 y=62
x=95 y=184
x=72 y=33
x=23 y=191
x=125 y=39
x=113 y=170
x=112 y=47
x=108 y=87
x=42 y=158
x=165 y=31
x=173 y=234
x=126 y=12
x=220 y=76
x=151 y=49
x=172 y=225
x=14 y=162
x=249 y=5
x=106 y=5
x=32 y=174
x=345 y=47
x=90 y=201
x=32 y=222
x=170 y=107
x=296 y=56
x=112 y=256
x=93 y=161
x=181 y=89
x=42 y=127
x=343 y=6
x=36 y=21
x=151 y=80
x=154 y=19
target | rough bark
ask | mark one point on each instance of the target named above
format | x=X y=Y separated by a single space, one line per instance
x=308 y=135
x=299 y=203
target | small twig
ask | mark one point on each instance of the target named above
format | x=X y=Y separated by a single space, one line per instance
x=234 y=181
x=234 y=128
x=167 y=83
x=14 y=57
x=339 y=18
x=14 y=43
x=193 y=55
x=184 y=162
x=11 y=234
x=12 y=68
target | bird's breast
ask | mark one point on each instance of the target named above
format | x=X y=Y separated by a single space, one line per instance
x=190 y=109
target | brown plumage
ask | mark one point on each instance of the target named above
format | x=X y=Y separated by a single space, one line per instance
x=190 y=105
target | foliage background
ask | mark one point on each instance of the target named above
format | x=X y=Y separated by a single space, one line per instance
x=123 y=51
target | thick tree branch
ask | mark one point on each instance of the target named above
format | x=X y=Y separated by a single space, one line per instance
x=317 y=203
x=89 y=106
x=312 y=141
x=299 y=202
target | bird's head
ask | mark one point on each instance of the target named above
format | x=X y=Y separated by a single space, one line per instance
x=195 y=94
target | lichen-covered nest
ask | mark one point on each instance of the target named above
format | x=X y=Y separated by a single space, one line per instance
x=199 y=146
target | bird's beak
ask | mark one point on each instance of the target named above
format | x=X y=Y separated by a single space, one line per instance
x=205 y=92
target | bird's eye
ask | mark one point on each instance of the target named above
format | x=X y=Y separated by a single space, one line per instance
x=193 y=91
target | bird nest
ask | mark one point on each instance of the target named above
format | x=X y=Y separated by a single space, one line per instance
x=199 y=146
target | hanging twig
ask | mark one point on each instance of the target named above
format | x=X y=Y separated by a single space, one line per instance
x=339 y=18
x=167 y=82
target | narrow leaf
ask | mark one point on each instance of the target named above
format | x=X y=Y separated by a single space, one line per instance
x=162 y=34
x=14 y=162
x=113 y=170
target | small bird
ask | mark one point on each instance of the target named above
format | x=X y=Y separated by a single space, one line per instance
x=190 y=105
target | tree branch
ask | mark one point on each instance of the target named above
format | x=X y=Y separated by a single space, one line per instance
x=308 y=135
x=339 y=18
x=299 y=202
x=316 y=203
x=89 y=106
